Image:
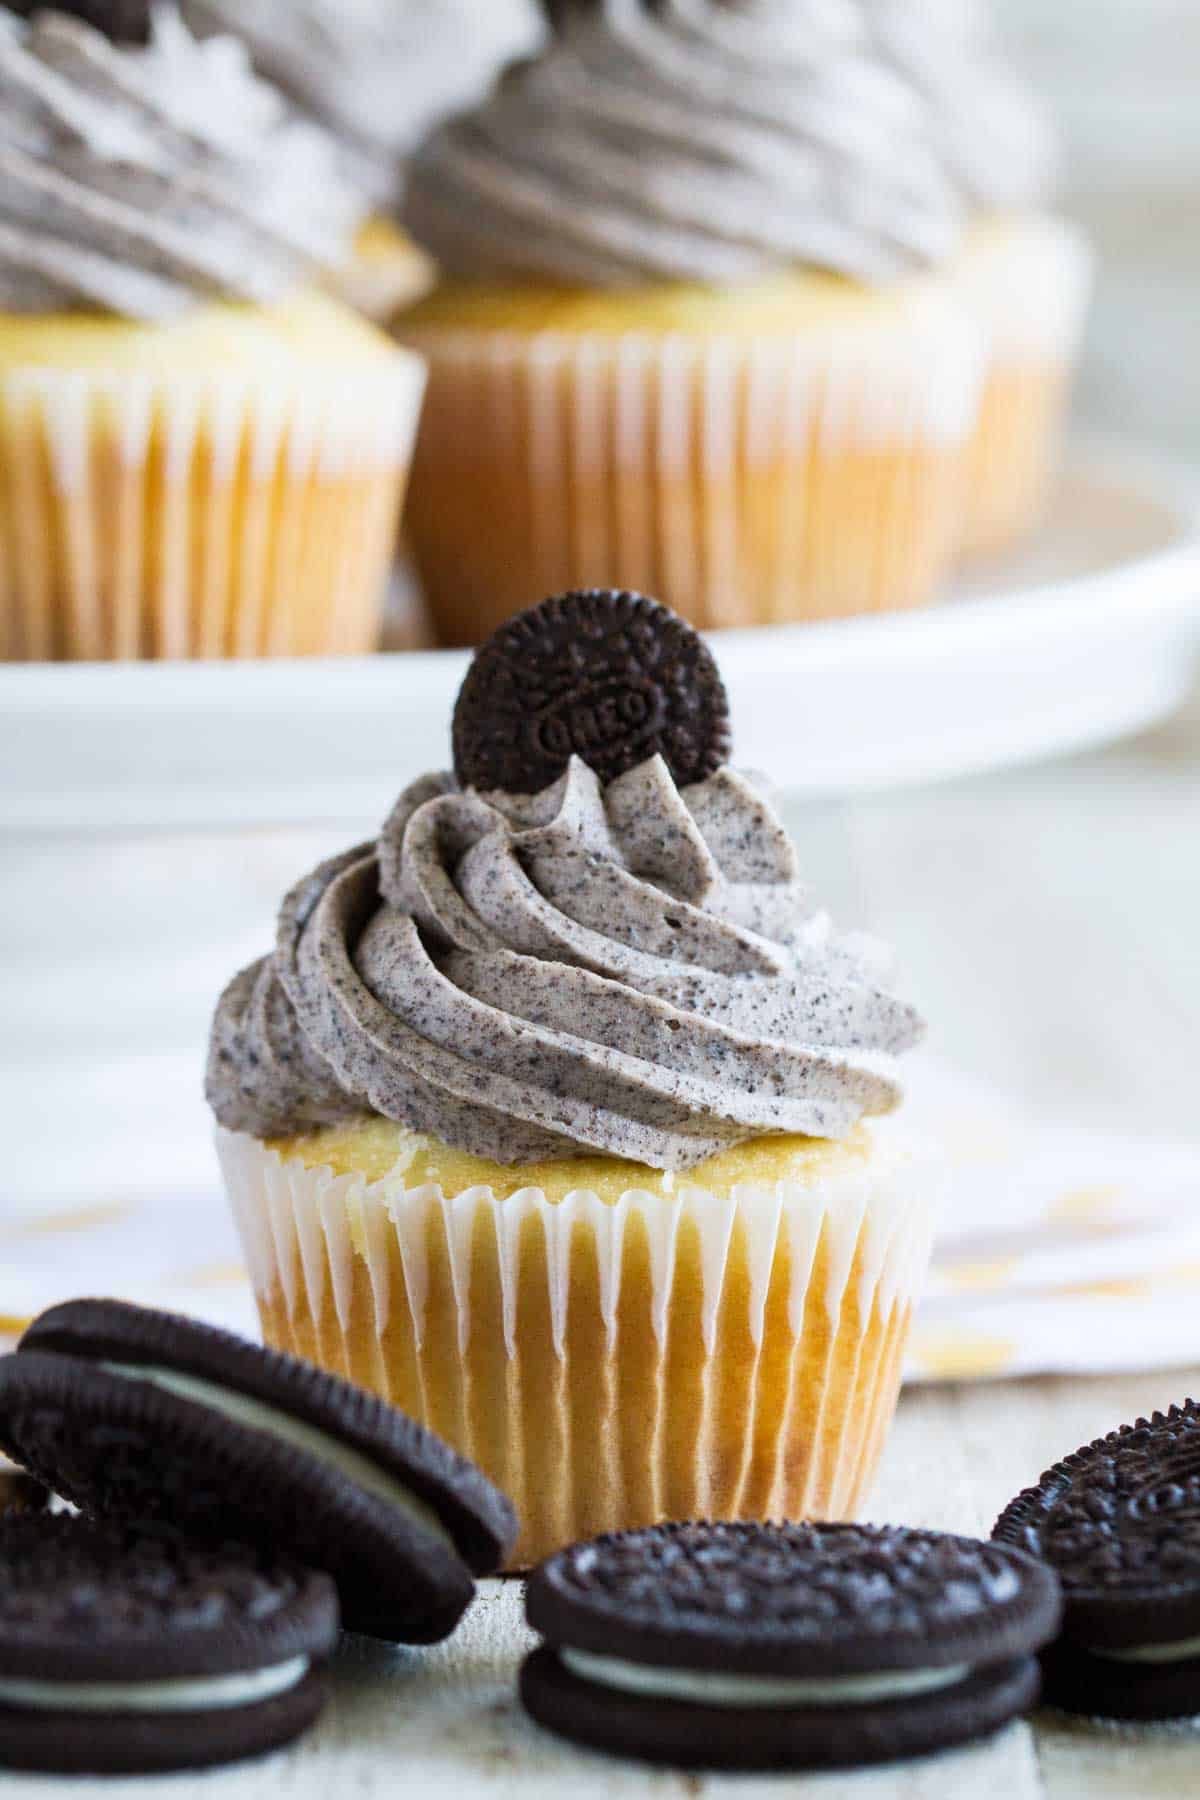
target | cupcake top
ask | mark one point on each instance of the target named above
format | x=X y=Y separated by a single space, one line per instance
x=695 y=140
x=379 y=73
x=140 y=178
x=624 y=960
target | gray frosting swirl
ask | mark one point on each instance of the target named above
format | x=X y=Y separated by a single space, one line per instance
x=988 y=128
x=380 y=74
x=706 y=140
x=140 y=180
x=634 y=970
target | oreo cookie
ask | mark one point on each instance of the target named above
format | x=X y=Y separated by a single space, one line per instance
x=121 y=21
x=613 y=678
x=1119 y=1523
x=747 y=1646
x=142 y=1416
x=122 y=1653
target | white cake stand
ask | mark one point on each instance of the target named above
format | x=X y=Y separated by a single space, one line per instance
x=1088 y=635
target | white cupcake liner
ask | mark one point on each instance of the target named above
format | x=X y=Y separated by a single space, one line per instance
x=768 y=1327
x=740 y=479
x=155 y=514
x=1028 y=289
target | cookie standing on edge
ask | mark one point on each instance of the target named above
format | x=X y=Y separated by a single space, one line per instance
x=144 y=1416
x=1119 y=1522
x=127 y=1654
x=745 y=1646
x=614 y=678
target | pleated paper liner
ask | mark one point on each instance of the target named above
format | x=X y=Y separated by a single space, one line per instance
x=144 y=514
x=610 y=1365
x=743 y=481
x=1027 y=283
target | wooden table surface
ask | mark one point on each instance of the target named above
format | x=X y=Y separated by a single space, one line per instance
x=1048 y=918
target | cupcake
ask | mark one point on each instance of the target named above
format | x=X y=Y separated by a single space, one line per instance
x=200 y=455
x=379 y=75
x=693 y=332
x=1024 y=275
x=549 y=1117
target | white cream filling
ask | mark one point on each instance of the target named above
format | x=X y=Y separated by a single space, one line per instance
x=243 y=1410
x=202 y=1693
x=1182 y=1650
x=703 y=1687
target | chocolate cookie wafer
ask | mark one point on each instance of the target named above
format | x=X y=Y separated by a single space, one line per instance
x=1119 y=1522
x=144 y=1416
x=745 y=1646
x=613 y=678
x=125 y=1653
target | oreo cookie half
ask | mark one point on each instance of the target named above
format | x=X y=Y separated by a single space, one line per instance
x=127 y=1654
x=121 y=21
x=746 y=1646
x=613 y=678
x=142 y=1416
x=1119 y=1523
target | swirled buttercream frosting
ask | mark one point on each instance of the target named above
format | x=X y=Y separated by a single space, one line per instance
x=987 y=127
x=379 y=73
x=633 y=969
x=703 y=140
x=141 y=179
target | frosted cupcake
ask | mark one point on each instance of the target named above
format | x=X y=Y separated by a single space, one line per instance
x=199 y=455
x=691 y=334
x=379 y=75
x=1025 y=276
x=548 y=1115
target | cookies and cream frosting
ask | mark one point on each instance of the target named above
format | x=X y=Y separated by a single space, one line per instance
x=379 y=73
x=633 y=969
x=987 y=127
x=702 y=140
x=139 y=180
x=716 y=141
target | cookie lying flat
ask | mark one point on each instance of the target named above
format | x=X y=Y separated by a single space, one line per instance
x=1119 y=1522
x=125 y=1654
x=795 y=1646
x=144 y=1416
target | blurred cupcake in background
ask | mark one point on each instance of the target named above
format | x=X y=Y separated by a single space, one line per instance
x=695 y=332
x=379 y=75
x=200 y=456
x=1024 y=275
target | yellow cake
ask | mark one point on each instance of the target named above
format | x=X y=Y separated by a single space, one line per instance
x=384 y=271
